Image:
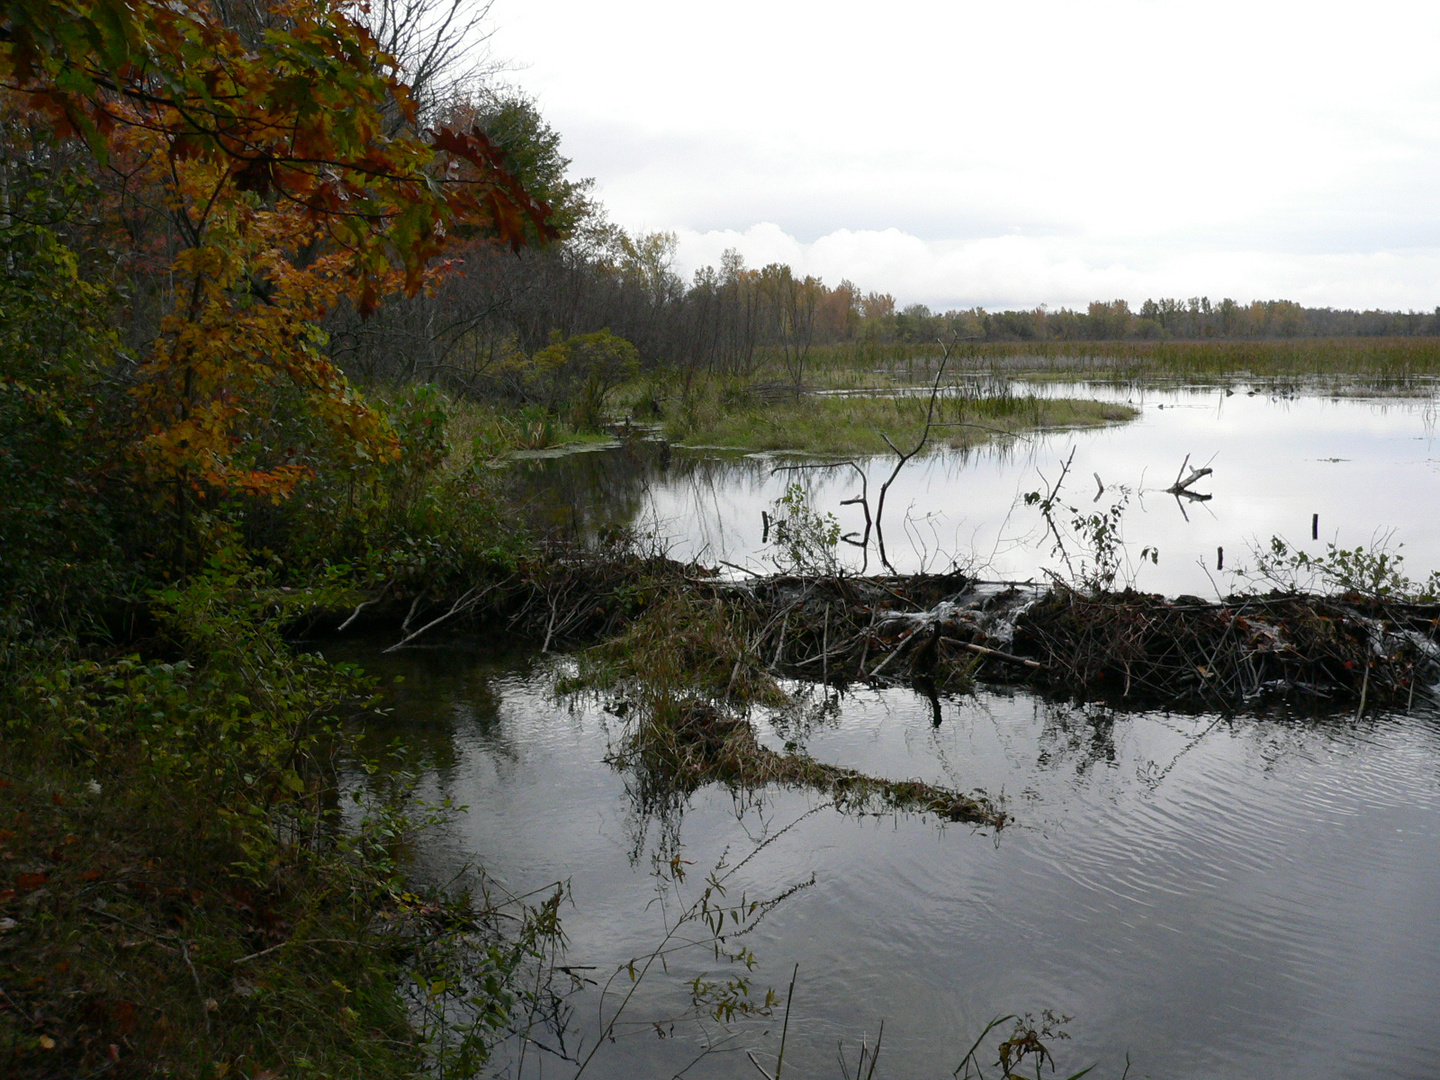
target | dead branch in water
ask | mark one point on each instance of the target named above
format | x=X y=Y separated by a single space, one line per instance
x=463 y=604
x=1183 y=483
x=904 y=456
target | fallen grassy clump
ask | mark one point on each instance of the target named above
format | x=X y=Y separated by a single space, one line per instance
x=690 y=742
x=687 y=675
x=859 y=424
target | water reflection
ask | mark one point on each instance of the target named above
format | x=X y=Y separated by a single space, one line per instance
x=1220 y=897
x=1365 y=464
x=1079 y=737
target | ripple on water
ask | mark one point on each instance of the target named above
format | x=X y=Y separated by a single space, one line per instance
x=1219 y=897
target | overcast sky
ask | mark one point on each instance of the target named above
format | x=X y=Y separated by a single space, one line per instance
x=1015 y=153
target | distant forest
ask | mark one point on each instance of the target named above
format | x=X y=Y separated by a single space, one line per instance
x=481 y=329
x=1190 y=320
x=501 y=308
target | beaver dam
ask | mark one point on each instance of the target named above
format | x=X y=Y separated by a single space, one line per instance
x=1230 y=887
x=947 y=630
x=1125 y=645
x=684 y=655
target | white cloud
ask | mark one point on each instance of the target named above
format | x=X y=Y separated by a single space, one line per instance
x=1036 y=151
x=1020 y=272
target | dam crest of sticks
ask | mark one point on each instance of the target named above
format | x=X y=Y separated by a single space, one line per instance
x=949 y=629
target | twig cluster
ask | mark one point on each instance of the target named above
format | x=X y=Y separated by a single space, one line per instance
x=1238 y=652
x=840 y=630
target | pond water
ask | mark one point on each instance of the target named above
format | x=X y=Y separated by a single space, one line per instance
x=1215 y=897
x=1367 y=464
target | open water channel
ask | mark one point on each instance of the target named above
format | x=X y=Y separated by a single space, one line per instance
x=1215 y=896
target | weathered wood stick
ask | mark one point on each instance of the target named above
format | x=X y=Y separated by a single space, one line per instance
x=984 y=650
x=1180 y=486
x=825 y=649
x=896 y=652
x=363 y=605
x=1181 y=473
x=469 y=599
x=780 y=646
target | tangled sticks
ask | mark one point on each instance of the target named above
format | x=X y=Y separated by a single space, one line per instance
x=951 y=629
x=841 y=629
x=1125 y=645
x=1241 y=651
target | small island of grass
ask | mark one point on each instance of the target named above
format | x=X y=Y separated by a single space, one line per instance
x=858 y=424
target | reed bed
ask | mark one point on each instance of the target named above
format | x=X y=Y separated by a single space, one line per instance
x=773 y=417
x=1379 y=358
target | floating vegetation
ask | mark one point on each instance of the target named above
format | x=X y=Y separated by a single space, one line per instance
x=684 y=744
x=688 y=673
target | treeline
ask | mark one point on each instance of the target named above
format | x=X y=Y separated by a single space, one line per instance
x=481 y=330
x=1195 y=319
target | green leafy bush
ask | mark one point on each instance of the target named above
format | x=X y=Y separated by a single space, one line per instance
x=803 y=540
x=1374 y=574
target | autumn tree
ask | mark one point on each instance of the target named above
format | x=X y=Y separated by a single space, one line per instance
x=287 y=192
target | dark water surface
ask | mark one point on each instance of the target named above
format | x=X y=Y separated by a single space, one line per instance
x=1218 y=897
x=1367 y=463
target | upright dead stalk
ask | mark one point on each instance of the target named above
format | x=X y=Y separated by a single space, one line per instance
x=904 y=457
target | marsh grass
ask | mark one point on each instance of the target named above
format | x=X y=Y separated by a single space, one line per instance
x=481 y=432
x=858 y=423
x=1386 y=359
